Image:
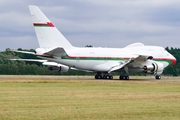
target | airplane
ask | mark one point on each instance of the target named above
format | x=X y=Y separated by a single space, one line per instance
x=57 y=52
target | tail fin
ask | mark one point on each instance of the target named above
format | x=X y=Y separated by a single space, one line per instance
x=47 y=34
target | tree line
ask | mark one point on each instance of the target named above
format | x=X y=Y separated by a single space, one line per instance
x=12 y=67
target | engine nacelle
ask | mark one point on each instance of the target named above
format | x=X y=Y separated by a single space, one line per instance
x=56 y=67
x=59 y=69
x=155 y=68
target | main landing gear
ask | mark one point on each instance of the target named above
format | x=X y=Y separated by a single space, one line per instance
x=124 y=77
x=121 y=77
x=108 y=76
x=104 y=76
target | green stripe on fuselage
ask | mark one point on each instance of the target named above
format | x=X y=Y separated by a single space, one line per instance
x=110 y=59
x=91 y=58
x=168 y=61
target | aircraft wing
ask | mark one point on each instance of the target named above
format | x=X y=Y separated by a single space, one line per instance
x=126 y=62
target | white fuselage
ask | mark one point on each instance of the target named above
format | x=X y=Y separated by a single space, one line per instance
x=100 y=59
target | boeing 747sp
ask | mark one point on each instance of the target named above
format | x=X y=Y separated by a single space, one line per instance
x=57 y=52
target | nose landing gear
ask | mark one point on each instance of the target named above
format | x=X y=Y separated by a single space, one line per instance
x=158 y=77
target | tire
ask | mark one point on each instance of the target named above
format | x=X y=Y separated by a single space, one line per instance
x=158 y=77
x=111 y=77
x=99 y=76
x=127 y=77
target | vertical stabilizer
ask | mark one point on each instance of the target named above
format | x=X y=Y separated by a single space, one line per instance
x=47 y=34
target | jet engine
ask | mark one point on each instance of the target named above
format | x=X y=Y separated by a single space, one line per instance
x=59 y=68
x=155 y=68
x=56 y=67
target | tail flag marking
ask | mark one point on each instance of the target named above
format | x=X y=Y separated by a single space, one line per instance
x=48 y=24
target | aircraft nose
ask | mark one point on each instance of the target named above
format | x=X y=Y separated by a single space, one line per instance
x=173 y=61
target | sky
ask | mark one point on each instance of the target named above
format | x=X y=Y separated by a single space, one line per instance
x=100 y=23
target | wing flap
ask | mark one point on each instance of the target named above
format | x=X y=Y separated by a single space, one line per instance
x=126 y=62
x=119 y=66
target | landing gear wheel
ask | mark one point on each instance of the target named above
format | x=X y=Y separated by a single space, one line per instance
x=107 y=77
x=124 y=77
x=110 y=77
x=158 y=77
x=103 y=75
x=95 y=77
x=127 y=77
x=98 y=76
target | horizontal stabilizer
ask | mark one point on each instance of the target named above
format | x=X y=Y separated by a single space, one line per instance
x=30 y=60
x=26 y=52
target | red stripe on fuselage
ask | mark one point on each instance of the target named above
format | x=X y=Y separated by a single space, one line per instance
x=98 y=57
x=173 y=61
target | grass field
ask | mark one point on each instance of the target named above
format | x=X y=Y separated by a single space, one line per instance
x=67 y=98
